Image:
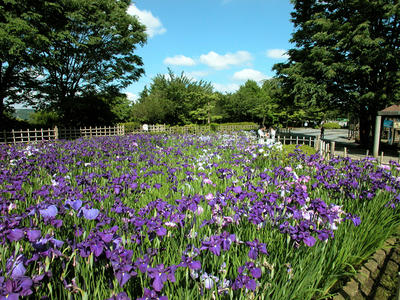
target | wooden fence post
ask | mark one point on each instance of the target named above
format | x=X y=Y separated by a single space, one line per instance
x=316 y=143
x=332 y=154
x=325 y=150
x=321 y=147
x=56 y=132
x=13 y=135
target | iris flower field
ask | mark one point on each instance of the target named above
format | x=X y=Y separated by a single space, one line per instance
x=186 y=217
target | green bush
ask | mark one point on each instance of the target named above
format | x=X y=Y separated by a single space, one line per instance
x=131 y=126
x=213 y=127
x=239 y=123
x=44 y=119
x=304 y=148
x=331 y=125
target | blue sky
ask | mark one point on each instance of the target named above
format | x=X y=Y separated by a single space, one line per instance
x=224 y=42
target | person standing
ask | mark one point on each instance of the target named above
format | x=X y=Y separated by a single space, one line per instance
x=272 y=133
x=261 y=135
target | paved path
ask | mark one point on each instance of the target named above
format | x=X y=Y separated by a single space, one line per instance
x=353 y=149
x=337 y=135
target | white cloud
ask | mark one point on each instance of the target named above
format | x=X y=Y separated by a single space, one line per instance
x=277 y=54
x=179 y=60
x=153 y=24
x=219 y=62
x=196 y=74
x=251 y=74
x=226 y=88
x=131 y=97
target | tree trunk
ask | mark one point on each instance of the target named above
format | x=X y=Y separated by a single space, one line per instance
x=2 y=110
x=367 y=122
x=208 y=113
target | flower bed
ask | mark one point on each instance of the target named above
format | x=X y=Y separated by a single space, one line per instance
x=183 y=217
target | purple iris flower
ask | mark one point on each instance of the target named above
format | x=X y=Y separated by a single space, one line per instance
x=123 y=277
x=76 y=205
x=20 y=286
x=33 y=235
x=161 y=231
x=213 y=245
x=227 y=240
x=187 y=261
x=15 y=234
x=50 y=212
x=160 y=275
x=89 y=214
x=356 y=220
x=244 y=281
x=237 y=189
x=151 y=295
x=15 y=267
x=309 y=241
x=255 y=248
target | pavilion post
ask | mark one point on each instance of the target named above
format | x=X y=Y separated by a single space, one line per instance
x=377 y=135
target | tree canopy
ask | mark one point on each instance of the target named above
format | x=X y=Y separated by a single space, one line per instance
x=174 y=100
x=346 y=55
x=59 y=50
x=252 y=102
x=21 y=40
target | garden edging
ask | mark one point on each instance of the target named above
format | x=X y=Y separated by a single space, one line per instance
x=378 y=278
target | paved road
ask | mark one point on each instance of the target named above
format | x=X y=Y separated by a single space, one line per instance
x=355 y=150
x=337 y=135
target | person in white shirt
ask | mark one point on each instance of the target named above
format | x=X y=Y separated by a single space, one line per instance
x=261 y=135
x=272 y=133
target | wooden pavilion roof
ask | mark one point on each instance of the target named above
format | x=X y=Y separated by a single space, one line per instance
x=393 y=110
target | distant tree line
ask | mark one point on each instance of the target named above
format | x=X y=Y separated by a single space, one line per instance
x=179 y=100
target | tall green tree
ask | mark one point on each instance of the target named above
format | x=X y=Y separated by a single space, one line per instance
x=54 y=52
x=268 y=107
x=252 y=102
x=244 y=102
x=21 y=41
x=346 y=56
x=174 y=100
x=91 y=48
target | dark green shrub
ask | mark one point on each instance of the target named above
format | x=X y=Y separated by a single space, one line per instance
x=131 y=126
x=304 y=148
x=331 y=125
x=213 y=127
